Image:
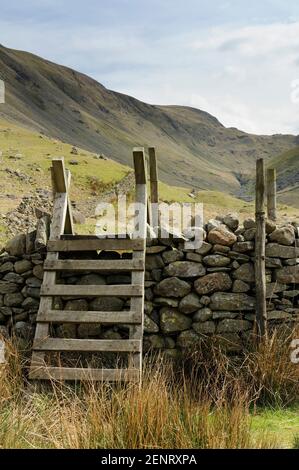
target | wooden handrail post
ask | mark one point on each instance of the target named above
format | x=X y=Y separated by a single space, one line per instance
x=271 y=194
x=61 y=181
x=260 y=242
x=154 y=184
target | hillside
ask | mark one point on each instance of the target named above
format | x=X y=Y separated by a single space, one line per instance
x=195 y=150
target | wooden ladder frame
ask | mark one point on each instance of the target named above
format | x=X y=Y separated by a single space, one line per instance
x=62 y=239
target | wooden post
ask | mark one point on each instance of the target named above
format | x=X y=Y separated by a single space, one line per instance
x=154 y=185
x=61 y=182
x=260 y=241
x=271 y=194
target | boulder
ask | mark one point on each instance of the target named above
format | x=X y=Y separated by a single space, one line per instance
x=249 y=224
x=204 y=249
x=17 y=245
x=245 y=273
x=202 y=315
x=233 y=326
x=232 y=221
x=276 y=250
x=240 y=286
x=288 y=275
x=249 y=234
x=212 y=283
x=184 y=269
x=172 y=256
x=232 y=301
x=77 y=305
x=38 y=271
x=8 y=287
x=243 y=247
x=22 y=266
x=107 y=304
x=216 y=260
x=190 y=303
x=149 y=325
x=89 y=330
x=188 y=339
x=13 y=300
x=91 y=279
x=222 y=315
x=6 y=267
x=172 y=287
x=154 y=342
x=153 y=262
x=172 y=321
x=205 y=328
x=222 y=235
x=283 y=235
x=166 y=301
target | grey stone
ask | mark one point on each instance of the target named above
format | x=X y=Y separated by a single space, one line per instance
x=243 y=247
x=279 y=315
x=202 y=315
x=149 y=325
x=222 y=315
x=172 y=321
x=249 y=224
x=288 y=275
x=166 y=301
x=212 y=283
x=220 y=249
x=270 y=226
x=30 y=304
x=204 y=249
x=230 y=342
x=232 y=301
x=66 y=330
x=17 y=245
x=38 y=271
x=188 y=339
x=283 y=235
x=92 y=279
x=89 y=330
x=232 y=221
x=77 y=305
x=23 y=330
x=8 y=287
x=14 y=277
x=216 y=260
x=153 y=262
x=108 y=304
x=154 y=342
x=172 y=256
x=249 y=234
x=111 y=334
x=6 y=267
x=275 y=250
x=205 y=300
x=32 y=292
x=12 y=300
x=205 y=328
x=245 y=273
x=240 y=286
x=155 y=249
x=184 y=269
x=291 y=262
x=33 y=282
x=190 y=303
x=274 y=288
x=273 y=263
x=172 y=287
x=22 y=266
x=233 y=326
x=194 y=257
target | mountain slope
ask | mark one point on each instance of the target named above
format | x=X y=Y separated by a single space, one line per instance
x=287 y=169
x=194 y=148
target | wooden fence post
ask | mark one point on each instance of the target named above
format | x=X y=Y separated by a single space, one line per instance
x=271 y=194
x=154 y=185
x=260 y=241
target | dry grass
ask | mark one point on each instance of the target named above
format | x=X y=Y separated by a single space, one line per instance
x=204 y=402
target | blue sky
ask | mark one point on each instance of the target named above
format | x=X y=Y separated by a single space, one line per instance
x=236 y=59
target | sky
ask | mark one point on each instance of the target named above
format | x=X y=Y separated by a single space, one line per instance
x=236 y=59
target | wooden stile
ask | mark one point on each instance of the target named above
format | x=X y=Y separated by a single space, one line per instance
x=63 y=240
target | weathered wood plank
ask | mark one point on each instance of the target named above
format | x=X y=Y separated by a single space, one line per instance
x=87 y=345
x=94 y=265
x=121 y=290
x=95 y=245
x=88 y=374
x=74 y=316
x=271 y=194
x=260 y=242
x=139 y=165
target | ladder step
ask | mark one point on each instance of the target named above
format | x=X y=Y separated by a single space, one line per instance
x=94 y=265
x=97 y=244
x=88 y=345
x=70 y=373
x=122 y=290
x=74 y=316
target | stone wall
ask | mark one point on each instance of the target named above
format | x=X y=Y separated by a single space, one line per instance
x=189 y=294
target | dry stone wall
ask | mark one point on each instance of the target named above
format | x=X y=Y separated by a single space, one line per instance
x=189 y=294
